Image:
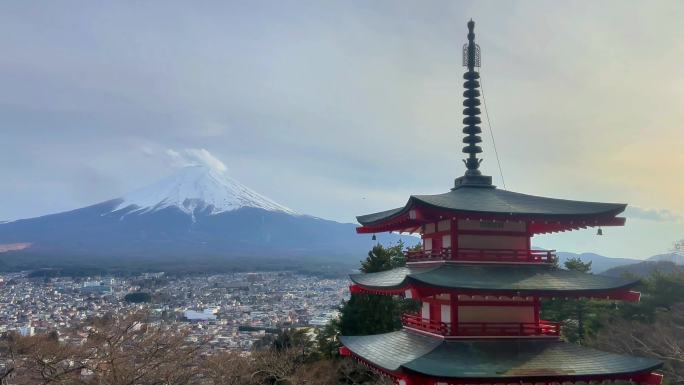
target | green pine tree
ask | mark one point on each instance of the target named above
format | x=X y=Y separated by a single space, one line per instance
x=581 y=318
x=364 y=313
x=371 y=313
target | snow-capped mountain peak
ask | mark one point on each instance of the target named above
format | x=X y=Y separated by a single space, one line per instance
x=195 y=188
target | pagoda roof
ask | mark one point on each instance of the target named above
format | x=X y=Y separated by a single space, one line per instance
x=523 y=278
x=410 y=351
x=488 y=200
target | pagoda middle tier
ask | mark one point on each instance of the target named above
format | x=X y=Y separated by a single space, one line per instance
x=419 y=282
x=487 y=300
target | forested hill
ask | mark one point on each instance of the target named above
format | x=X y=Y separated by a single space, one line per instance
x=645 y=269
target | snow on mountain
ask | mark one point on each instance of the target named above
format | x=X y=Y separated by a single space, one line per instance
x=197 y=188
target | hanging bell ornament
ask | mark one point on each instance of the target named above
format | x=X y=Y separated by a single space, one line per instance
x=599 y=232
x=374 y=237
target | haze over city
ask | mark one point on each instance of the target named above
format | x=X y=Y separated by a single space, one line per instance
x=343 y=109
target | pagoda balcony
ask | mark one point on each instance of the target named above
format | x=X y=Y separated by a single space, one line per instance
x=482 y=329
x=501 y=329
x=482 y=255
x=415 y=321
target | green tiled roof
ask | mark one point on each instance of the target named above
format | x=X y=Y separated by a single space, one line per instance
x=501 y=202
x=523 y=278
x=495 y=359
x=391 y=350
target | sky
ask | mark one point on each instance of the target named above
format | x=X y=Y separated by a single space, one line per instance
x=342 y=108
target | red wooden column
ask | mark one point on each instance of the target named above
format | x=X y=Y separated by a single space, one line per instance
x=435 y=311
x=454 y=241
x=529 y=237
x=454 y=313
x=537 y=310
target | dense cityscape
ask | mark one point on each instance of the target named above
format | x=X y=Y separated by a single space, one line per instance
x=230 y=311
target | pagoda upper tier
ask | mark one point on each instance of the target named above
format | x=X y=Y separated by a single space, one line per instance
x=474 y=197
x=486 y=202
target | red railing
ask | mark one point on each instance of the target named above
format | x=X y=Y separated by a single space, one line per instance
x=417 y=322
x=474 y=329
x=543 y=328
x=485 y=255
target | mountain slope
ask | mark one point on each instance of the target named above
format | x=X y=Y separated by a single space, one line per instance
x=197 y=212
x=645 y=268
x=676 y=257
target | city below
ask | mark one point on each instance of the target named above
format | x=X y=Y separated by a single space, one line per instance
x=230 y=312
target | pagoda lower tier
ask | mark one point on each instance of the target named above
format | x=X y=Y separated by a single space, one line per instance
x=412 y=358
x=483 y=279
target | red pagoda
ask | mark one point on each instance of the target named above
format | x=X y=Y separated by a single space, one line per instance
x=480 y=283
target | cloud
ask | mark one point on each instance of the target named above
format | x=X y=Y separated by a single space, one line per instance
x=658 y=215
x=195 y=157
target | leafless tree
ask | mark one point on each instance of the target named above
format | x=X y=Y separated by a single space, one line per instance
x=277 y=367
x=42 y=359
x=678 y=246
x=664 y=339
x=130 y=350
x=124 y=351
x=349 y=372
x=227 y=368
x=287 y=368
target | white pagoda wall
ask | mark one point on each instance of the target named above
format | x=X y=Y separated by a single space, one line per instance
x=515 y=314
x=498 y=242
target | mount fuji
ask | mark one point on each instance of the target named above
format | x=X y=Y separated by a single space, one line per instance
x=197 y=189
x=196 y=214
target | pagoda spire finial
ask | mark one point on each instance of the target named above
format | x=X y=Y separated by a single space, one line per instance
x=471 y=60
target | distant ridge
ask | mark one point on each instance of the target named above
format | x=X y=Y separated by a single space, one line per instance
x=676 y=257
x=667 y=263
x=599 y=263
x=645 y=268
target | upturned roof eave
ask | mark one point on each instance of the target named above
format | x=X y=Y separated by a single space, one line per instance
x=435 y=358
x=560 y=378
x=418 y=200
x=410 y=283
x=405 y=279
